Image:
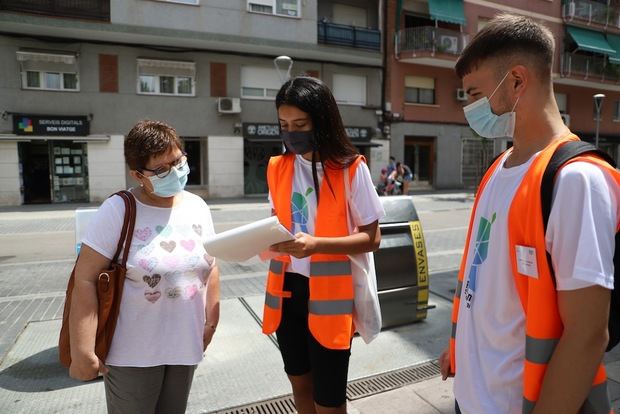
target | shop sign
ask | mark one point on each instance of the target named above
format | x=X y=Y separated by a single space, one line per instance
x=254 y=130
x=359 y=133
x=50 y=125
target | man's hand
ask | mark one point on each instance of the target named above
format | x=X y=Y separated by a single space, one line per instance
x=304 y=245
x=444 y=364
x=87 y=368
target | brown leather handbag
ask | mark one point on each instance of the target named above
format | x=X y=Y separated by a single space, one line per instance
x=109 y=290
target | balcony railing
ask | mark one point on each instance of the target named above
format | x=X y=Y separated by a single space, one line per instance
x=590 y=68
x=80 y=9
x=430 y=39
x=591 y=12
x=343 y=35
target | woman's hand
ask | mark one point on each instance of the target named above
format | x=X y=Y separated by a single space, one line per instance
x=87 y=368
x=207 y=336
x=304 y=245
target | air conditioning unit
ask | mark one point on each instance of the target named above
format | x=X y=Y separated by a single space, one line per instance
x=566 y=119
x=461 y=95
x=449 y=44
x=228 y=105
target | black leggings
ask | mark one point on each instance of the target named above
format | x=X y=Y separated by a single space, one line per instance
x=302 y=354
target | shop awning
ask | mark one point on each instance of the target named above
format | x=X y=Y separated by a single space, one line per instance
x=366 y=144
x=450 y=11
x=86 y=138
x=614 y=42
x=591 y=41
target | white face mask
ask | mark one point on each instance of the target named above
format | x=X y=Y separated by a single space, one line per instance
x=485 y=123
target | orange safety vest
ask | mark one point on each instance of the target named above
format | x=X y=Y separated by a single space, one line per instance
x=543 y=325
x=330 y=307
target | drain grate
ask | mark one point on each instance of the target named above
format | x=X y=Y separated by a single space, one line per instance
x=282 y=405
x=391 y=380
x=355 y=390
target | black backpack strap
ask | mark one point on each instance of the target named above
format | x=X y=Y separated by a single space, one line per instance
x=561 y=156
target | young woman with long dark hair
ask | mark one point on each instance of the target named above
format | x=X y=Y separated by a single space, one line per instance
x=310 y=291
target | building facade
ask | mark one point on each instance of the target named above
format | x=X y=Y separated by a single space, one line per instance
x=424 y=99
x=76 y=76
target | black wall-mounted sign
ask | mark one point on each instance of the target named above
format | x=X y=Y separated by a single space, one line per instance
x=359 y=133
x=52 y=125
x=255 y=130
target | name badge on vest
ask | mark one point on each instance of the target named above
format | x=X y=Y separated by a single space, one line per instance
x=526 y=261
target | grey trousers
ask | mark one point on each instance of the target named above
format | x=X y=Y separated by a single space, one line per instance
x=160 y=389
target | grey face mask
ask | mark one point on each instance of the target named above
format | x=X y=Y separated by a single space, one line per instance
x=298 y=142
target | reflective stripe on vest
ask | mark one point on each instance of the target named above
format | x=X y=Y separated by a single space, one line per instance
x=597 y=402
x=330 y=307
x=275 y=266
x=272 y=301
x=342 y=268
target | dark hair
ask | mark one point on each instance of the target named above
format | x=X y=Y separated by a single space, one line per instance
x=331 y=142
x=149 y=139
x=392 y=158
x=513 y=39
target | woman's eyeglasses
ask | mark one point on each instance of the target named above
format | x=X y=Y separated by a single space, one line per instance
x=163 y=171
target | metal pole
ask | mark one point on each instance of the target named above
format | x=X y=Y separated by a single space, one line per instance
x=598 y=103
x=598 y=119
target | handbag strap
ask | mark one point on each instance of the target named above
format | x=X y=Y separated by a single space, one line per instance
x=129 y=222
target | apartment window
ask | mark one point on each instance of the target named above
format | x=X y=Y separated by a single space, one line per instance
x=420 y=90
x=166 y=77
x=259 y=83
x=350 y=89
x=617 y=111
x=288 y=8
x=561 y=99
x=48 y=71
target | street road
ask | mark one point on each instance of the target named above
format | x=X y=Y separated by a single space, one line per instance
x=37 y=247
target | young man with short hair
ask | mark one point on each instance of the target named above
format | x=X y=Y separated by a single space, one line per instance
x=528 y=338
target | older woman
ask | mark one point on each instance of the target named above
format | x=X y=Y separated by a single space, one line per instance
x=170 y=304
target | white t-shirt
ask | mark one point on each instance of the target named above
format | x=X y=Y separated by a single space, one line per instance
x=364 y=204
x=490 y=334
x=162 y=313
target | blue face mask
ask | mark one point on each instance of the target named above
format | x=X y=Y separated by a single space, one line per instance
x=485 y=123
x=298 y=142
x=172 y=184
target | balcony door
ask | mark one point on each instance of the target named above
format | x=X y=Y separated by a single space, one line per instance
x=350 y=15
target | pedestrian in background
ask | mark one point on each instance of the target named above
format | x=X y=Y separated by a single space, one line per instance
x=310 y=291
x=407 y=175
x=529 y=337
x=170 y=304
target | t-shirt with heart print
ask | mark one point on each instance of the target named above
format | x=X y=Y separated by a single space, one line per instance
x=162 y=314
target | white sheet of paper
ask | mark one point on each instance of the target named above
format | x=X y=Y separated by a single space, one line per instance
x=241 y=243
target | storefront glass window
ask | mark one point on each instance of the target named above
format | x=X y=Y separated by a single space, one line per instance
x=194 y=160
x=69 y=172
